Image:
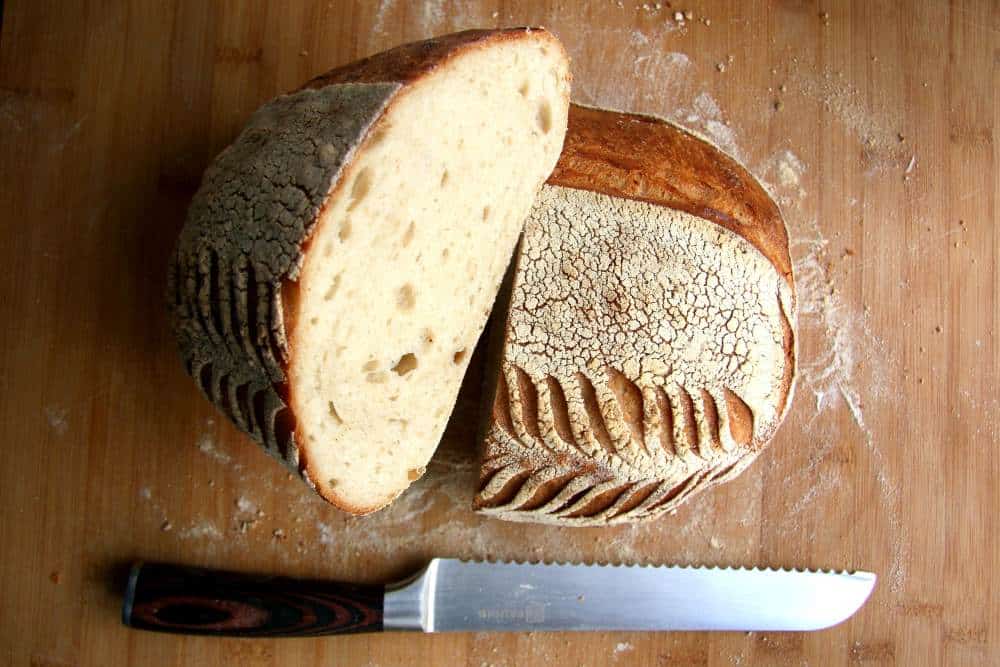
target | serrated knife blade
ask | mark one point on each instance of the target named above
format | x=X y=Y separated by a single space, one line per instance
x=451 y=595
x=454 y=595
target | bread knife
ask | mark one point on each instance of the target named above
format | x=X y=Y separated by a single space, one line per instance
x=450 y=595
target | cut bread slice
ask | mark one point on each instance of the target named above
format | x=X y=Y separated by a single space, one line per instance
x=646 y=348
x=341 y=256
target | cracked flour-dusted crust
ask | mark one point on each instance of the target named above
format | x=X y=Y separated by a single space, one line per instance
x=257 y=204
x=647 y=354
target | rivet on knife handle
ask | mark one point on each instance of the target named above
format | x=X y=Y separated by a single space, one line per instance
x=171 y=598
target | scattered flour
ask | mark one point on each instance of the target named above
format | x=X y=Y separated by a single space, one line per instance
x=781 y=175
x=876 y=130
x=623 y=647
x=246 y=506
x=200 y=530
x=424 y=19
x=843 y=367
x=326 y=533
x=207 y=446
x=606 y=77
x=57 y=418
x=703 y=116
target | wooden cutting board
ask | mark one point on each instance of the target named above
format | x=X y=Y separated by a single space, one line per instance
x=874 y=124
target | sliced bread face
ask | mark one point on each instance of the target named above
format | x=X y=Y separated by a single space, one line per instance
x=647 y=350
x=340 y=259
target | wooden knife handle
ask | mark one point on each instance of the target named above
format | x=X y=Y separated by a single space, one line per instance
x=173 y=598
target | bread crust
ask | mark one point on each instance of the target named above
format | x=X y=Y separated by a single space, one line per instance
x=232 y=291
x=649 y=159
x=528 y=474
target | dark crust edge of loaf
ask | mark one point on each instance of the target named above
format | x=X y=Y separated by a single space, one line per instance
x=406 y=64
x=645 y=158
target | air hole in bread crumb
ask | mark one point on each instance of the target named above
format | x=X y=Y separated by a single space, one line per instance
x=333 y=412
x=486 y=212
x=377 y=378
x=332 y=482
x=332 y=291
x=525 y=89
x=379 y=136
x=406 y=298
x=444 y=254
x=345 y=230
x=444 y=178
x=545 y=116
x=362 y=184
x=458 y=356
x=406 y=364
x=408 y=234
x=370 y=365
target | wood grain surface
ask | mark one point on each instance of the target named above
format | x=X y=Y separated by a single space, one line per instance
x=873 y=123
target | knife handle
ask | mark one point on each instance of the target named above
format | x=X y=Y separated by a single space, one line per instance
x=187 y=600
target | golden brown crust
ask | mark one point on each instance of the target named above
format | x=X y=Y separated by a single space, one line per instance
x=646 y=158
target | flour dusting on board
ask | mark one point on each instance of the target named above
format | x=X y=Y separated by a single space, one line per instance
x=843 y=367
x=876 y=129
x=621 y=648
x=641 y=56
x=848 y=372
x=208 y=447
x=57 y=418
x=203 y=529
x=704 y=116
x=422 y=20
